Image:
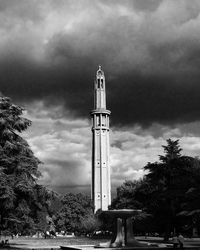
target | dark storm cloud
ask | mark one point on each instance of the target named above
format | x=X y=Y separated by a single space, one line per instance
x=156 y=99
x=150 y=54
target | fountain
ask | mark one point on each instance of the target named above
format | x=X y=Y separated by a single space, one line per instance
x=123 y=234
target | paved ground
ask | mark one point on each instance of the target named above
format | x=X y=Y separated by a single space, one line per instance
x=189 y=242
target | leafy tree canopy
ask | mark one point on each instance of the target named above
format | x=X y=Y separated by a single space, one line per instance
x=20 y=195
x=75 y=213
x=126 y=196
x=169 y=188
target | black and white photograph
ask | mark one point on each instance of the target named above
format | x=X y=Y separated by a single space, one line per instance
x=99 y=124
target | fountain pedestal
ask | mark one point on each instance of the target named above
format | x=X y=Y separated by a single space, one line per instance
x=123 y=234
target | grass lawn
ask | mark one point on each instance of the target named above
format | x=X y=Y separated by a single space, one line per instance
x=29 y=242
x=38 y=243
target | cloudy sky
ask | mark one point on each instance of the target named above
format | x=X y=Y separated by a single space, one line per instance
x=150 y=53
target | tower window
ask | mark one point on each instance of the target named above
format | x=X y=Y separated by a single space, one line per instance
x=103 y=121
x=101 y=83
x=98 y=120
x=98 y=83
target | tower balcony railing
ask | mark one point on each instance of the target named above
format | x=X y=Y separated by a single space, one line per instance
x=100 y=111
x=98 y=127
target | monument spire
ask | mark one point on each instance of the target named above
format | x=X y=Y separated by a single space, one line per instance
x=101 y=187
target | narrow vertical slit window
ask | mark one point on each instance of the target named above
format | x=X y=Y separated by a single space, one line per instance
x=102 y=83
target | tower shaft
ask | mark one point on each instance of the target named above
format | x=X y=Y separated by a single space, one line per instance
x=101 y=187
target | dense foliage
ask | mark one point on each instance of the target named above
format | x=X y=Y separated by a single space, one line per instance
x=76 y=214
x=169 y=191
x=21 y=199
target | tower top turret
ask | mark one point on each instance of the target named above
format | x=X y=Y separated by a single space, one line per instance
x=100 y=93
x=100 y=71
x=100 y=90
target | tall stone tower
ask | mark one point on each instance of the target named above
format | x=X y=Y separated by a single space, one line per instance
x=101 y=187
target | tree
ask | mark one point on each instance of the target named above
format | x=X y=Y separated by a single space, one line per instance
x=169 y=192
x=89 y=224
x=75 y=209
x=170 y=179
x=20 y=195
x=126 y=196
x=190 y=213
x=172 y=151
